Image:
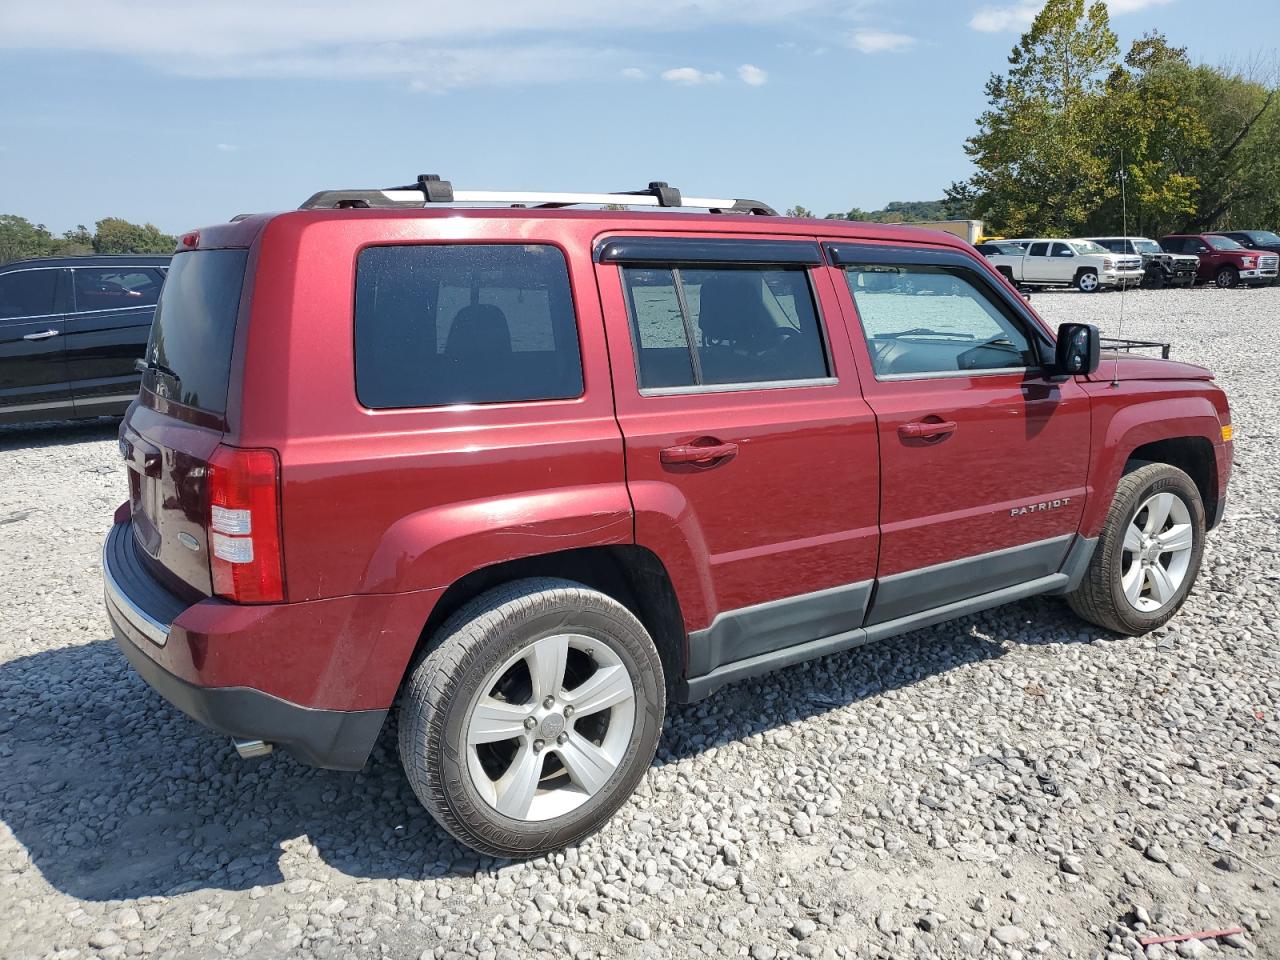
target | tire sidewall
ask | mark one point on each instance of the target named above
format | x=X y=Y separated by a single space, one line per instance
x=1181 y=486
x=519 y=626
x=1080 y=281
x=1226 y=278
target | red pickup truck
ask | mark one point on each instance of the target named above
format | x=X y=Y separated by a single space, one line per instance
x=532 y=470
x=1224 y=261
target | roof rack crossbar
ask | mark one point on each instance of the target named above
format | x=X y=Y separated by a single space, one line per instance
x=430 y=189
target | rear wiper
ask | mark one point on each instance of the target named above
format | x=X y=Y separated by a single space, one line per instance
x=143 y=365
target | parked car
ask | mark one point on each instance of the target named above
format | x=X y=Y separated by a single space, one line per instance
x=1079 y=263
x=1160 y=269
x=1263 y=241
x=71 y=329
x=1222 y=260
x=534 y=473
x=994 y=247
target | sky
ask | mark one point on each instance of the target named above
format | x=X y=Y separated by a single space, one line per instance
x=188 y=113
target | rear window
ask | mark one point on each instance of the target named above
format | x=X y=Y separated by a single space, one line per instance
x=440 y=324
x=195 y=324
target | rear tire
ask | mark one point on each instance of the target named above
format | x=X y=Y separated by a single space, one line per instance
x=533 y=718
x=1087 y=281
x=1226 y=278
x=1133 y=585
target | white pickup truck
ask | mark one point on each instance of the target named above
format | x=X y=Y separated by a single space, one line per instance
x=1079 y=263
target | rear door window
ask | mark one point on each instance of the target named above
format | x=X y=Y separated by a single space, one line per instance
x=116 y=289
x=1038 y=250
x=699 y=325
x=189 y=352
x=439 y=324
x=28 y=293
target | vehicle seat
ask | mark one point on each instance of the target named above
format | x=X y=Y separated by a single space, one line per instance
x=478 y=332
x=731 y=311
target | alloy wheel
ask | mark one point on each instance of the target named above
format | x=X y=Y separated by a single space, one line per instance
x=550 y=727
x=1158 y=544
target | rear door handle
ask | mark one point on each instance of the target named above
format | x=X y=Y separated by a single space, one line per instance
x=42 y=335
x=693 y=453
x=927 y=429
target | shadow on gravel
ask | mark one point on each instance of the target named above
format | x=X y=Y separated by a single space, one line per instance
x=116 y=795
x=34 y=436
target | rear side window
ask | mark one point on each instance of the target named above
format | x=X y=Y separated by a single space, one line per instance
x=27 y=293
x=440 y=324
x=921 y=320
x=116 y=289
x=1039 y=250
x=723 y=325
x=189 y=353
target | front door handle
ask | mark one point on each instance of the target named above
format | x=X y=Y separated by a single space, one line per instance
x=701 y=455
x=927 y=429
x=42 y=335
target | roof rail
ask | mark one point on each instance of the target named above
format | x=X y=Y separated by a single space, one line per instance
x=430 y=189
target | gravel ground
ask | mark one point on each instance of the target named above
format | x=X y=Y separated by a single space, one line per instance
x=1012 y=784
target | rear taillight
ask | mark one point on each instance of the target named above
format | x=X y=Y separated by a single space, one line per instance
x=244 y=525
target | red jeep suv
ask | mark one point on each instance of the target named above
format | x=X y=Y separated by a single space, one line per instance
x=530 y=470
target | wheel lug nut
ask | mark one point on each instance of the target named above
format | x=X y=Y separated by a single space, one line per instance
x=538 y=745
x=530 y=723
x=562 y=739
x=568 y=711
x=548 y=703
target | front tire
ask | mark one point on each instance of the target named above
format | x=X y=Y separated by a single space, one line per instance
x=533 y=718
x=1087 y=281
x=1226 y=278
x=1148 y=556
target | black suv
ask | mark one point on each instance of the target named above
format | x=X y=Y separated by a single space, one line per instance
x=71 y=329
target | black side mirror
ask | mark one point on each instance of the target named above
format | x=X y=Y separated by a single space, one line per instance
x=1077 y=351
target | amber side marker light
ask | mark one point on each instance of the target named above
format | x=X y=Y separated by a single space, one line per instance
x=1227 y=433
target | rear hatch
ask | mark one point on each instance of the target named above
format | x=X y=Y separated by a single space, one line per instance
x=181 y=416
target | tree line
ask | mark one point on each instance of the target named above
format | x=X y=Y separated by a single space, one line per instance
x=20 y=239
x=1079 y=140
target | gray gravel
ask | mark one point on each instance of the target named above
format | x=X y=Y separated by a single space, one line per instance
x=1015 y=784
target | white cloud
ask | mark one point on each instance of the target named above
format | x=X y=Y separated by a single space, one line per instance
x=879 y=41
x=226 y=147
x=1017 y=16
x=691 y=76
x=634 y=73
x=753 y=76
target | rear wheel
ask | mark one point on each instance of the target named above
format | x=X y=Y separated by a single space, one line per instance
x=1087 y=281
x=1226 y=278
x=1148 y=556
x=532 y=720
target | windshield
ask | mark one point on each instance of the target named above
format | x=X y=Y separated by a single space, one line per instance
x=1146 y=246
x=1222 y=243
x=189 y=353
x=1264 y=237
x=1088 y=246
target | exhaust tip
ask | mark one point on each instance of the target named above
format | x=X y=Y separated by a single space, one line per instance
x=250 y=749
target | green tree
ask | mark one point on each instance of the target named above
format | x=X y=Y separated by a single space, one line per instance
x=114 y=235
x=20 y=238
x=1039 y=168
x=799 y=211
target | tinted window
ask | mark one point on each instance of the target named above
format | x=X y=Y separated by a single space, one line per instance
x=924 y=319
x=194 y=328
x=27 y=293
x=746 y=325
x=1039 y=250
x=1062 y=250
x=116 y=289
x=464 y=323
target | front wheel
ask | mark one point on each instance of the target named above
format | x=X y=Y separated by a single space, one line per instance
x=1226 y=278
x=1149 y=553
x=1087 y=281
x=533 y=718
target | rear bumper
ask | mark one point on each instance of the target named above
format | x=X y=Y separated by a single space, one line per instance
x=178 y=647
